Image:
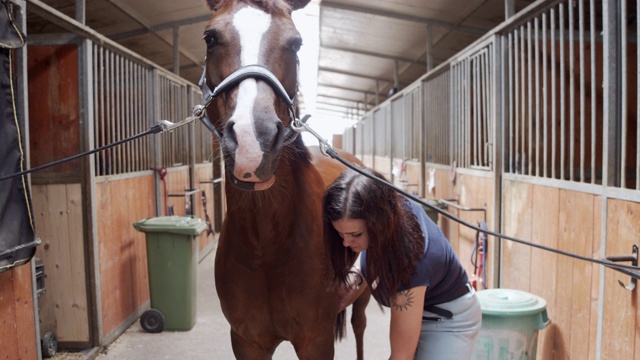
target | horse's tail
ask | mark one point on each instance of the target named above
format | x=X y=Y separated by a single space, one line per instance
x=340 y=327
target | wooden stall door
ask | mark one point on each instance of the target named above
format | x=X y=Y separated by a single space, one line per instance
x=63 y=308
x=122 y=251
x=621 y=318
x=569 y=221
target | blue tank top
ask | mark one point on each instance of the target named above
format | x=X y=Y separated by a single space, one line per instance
x=439 y=268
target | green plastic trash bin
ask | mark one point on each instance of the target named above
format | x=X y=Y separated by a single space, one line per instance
x=172 y=259
x=511 y=320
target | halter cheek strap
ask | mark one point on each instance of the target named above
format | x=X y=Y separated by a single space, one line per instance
x=245 y=72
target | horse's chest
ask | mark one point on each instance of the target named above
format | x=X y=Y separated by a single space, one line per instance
x=269 y=245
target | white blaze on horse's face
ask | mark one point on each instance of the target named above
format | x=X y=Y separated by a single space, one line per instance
x=251 y=116
x=251 y=24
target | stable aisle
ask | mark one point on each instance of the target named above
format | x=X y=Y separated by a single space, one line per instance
x=209 y=338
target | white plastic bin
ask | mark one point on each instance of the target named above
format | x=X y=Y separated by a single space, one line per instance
x=511 y=320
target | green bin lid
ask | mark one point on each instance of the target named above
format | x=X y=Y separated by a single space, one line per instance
x=509 y=302
x=182 y=225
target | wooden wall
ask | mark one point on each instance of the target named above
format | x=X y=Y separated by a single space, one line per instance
x=17 y=320
x=382 y=165
x=124 y=282
x=54 y=109
x=367 y=160
x=58 y=215
x=621 y=317
x=177 y=180
x=472 y=192
x=569 y=221
x=204 y=172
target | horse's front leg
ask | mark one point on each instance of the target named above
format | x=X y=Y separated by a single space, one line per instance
x=359 y=320
x=245 y=350
x=318 y=346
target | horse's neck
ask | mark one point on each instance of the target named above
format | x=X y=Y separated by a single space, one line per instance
x=285 y=219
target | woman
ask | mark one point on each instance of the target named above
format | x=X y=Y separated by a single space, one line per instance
x=408 y=263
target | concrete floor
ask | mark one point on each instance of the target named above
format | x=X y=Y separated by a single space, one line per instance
x=209 y=338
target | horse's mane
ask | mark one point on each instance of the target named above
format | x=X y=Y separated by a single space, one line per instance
x=275 y=7
x=300 y=149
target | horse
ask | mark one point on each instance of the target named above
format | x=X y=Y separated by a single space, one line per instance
x=272 y=273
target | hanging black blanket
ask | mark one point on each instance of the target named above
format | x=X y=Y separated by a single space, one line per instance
x=17 y=242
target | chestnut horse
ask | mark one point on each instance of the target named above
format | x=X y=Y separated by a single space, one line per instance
x=271 y=269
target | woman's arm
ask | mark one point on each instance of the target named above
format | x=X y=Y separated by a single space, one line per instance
x=406 y=322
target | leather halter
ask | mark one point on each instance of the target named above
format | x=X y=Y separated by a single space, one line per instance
x=249 y=71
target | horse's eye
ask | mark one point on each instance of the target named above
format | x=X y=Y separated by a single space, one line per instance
x=295 y=45
x=210 y=40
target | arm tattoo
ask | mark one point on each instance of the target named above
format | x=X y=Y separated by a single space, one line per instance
x=403 y=300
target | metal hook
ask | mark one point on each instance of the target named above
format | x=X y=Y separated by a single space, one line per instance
x=634 y=261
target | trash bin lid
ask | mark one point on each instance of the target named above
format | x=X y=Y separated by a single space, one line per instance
x=510 y=302
x=182 y=225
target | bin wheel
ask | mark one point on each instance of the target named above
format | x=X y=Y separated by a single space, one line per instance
x=49 y=344
x=152 y=321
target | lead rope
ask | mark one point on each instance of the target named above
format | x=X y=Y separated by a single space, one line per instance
x=161 y=127
x=327 y=150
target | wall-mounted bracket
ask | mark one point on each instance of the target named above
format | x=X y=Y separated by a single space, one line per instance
x=633 y=258
x=187 y=198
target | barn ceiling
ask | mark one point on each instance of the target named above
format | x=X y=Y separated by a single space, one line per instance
x=364 y=45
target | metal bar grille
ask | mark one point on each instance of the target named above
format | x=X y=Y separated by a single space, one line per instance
x=416 y=118
x=398 y=125
x=473 y=96
x=438 y=110
x=380 y=132
x=554 y=124
x=558 y=73
x=173 y=107
x=367 y=124
x=120 y=102
x=203 y=138
x=347 y=141
x=359 y=140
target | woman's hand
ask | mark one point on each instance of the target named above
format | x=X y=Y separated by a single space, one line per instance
x=406 y=322
x=355 y=286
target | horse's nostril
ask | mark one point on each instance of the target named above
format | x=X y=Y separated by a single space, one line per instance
x=278 y=139
x=246 y=175
x=229 y=137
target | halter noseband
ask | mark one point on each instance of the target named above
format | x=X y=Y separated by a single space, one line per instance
x=245 y=72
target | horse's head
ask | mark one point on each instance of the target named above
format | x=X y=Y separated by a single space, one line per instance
x=251 y=66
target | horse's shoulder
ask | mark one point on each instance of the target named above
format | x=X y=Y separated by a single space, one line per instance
x=330 y=168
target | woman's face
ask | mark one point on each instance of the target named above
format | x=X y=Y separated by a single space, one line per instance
x=353 y=232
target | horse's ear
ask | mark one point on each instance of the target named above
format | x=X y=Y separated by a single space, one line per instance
x=297 y=4
x=214 y=4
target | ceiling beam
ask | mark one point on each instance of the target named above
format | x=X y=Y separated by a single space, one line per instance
x=325 y=103
x=131 y=14
x=369 y=53
x=51 y=14
x=360 y=91
x=342 y=72
x=321 y=110
x=339 y=98
x=343 y=99
x=338 y=87
x=364 y=10
x=160 y=27
x=340 y=109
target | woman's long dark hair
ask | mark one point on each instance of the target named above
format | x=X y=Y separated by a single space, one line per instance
x=396 y=241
